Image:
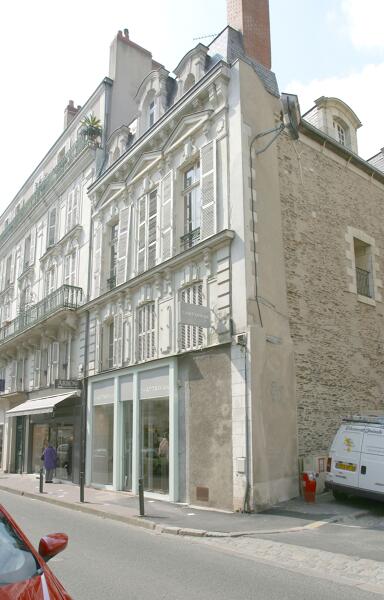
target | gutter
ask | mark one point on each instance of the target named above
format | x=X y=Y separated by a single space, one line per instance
x=325 y=140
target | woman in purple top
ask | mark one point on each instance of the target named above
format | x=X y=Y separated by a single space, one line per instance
x=50 y=459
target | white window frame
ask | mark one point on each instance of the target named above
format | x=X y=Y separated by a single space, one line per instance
x=192 y=204
x=357 y=234
x=70 y=263
x=52 y=227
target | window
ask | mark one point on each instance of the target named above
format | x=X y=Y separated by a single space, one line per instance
x=27 y=251
x=363 y=262
x=151 y=113
x=340 y=132
x=111 y=281
x=146 y=331
x=70 y=268
x=51 y=236
x=191 y=336
x=73 y=208
x=147 y=232
x=110 y=345
x=50 y=278
x=8 y=270
x=192 y=206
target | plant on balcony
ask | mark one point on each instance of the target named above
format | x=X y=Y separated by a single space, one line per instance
x=91 y=128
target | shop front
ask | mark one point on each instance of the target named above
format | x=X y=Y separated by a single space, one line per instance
x=55 y=419
x=133 y=420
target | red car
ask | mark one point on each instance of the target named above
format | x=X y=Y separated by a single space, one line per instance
x=24 y=574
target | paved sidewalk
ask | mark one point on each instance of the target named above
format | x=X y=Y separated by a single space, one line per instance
x=182 y=519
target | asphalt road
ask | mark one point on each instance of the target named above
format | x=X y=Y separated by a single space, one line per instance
x=110 y=560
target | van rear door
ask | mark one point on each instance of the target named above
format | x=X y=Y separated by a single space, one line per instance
x=345 y=453
x=371 y=472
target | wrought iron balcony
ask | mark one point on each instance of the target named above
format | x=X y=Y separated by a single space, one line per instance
x=46 y=184
x=67 y=296
x=363 y=286
x=190 y=239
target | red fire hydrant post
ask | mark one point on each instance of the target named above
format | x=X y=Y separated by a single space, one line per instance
x=309 y=487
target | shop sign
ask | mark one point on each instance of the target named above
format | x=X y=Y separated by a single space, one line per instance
x=154 y=383
x=194 y=314
x=67 y=383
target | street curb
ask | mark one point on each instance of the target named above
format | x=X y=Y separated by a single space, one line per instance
x=153 y=526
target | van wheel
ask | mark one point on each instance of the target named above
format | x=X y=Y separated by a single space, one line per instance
x=339 y=495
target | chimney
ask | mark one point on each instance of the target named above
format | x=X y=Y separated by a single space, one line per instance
x=70 y=113
x=251 y=17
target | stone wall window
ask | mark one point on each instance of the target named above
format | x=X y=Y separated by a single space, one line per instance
x=363 y=262
x=363 y=266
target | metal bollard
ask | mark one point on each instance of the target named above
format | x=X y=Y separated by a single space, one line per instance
x=82 y=481
x=41 y=482
x=141 y=496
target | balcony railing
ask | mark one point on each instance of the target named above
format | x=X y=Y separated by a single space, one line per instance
x=190 y=239
x=67 y=296
x=363 y=280
x=46 y=184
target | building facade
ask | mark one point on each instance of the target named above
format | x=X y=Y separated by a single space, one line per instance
x=207 y=275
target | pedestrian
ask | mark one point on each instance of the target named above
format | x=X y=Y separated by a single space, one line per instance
x=50 y=459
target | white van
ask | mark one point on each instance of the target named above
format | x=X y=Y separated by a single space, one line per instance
x=356 y=458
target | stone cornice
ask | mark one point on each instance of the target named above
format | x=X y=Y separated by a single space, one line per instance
x=219 y=239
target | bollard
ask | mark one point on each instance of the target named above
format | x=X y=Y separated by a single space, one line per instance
x=141 y=496
x=41 y=489
x=82 y=478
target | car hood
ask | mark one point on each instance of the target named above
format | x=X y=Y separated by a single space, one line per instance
x=40 y=587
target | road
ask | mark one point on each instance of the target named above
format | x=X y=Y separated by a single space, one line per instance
x=110 y=560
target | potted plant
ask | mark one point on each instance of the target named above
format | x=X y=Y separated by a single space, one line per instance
x=91 y=128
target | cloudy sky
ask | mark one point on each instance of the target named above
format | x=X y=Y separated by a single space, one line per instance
x=52 y=52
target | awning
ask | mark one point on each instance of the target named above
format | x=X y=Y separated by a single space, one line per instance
x=39 y=406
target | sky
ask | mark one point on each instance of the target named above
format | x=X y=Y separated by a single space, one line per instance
x=52 y=52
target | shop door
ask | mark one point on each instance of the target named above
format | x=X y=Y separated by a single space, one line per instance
x=64 y=449
x=155 y=444
x=40 y=435
x=19 y=444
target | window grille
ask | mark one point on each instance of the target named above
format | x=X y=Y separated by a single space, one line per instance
x=146 y=331
x=191 y=336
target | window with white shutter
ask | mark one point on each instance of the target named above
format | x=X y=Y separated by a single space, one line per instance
x=111 y=343
x=208 y=189
x=113 y=244
x=27 y=252
x=191 y=336
x=146 y=331
x=33 y=247
x=36 y=368
x=50 y=280
x=147 y=231
x=122 y=245
x=73 y=205
x=70 y=268
x=118 y=340
x=167 y=216
x=14 y=376
x=53 y=362
x=8 y=270
x=97 y=245
x=52 y=227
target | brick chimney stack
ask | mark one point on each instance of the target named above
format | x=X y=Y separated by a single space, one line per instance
x=251 y=17
x=70 y=113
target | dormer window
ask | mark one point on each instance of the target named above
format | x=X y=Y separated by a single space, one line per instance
x=151 y=113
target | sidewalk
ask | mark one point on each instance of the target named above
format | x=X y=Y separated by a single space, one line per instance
x=181 y=519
